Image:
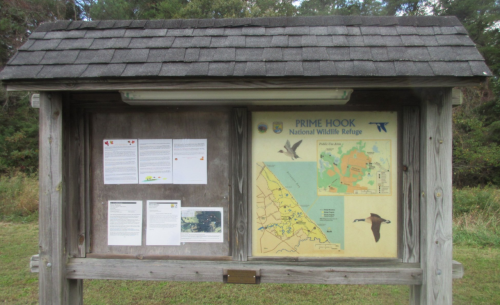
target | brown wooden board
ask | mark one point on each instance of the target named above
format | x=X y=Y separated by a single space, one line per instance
x=171 y=124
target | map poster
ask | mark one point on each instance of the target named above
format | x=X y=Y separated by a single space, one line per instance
x=324 y=184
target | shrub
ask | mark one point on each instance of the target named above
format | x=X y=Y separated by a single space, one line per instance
x=19 y=197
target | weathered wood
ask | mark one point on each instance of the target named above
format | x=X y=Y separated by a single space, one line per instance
x=161 y=257
x=244 y=83
x=201 y=271
x=73 y=165
x=411 y=185
x=211 y=125
x=86 y=180
x=35 y=263
x=436 y=199
x=53 y=286
x=458 y=268
x=239 y=187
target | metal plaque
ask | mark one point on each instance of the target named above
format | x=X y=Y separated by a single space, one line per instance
x=242 y=276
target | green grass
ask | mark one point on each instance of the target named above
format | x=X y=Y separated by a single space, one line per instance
x=19 y=198
x=18 y=241
x=476 y=236
x=476 y=217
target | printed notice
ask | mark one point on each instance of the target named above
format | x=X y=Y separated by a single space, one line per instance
x=190 y=161
x=124 y=223
x=202 y=225
x=163 y=223
x=155 y=161
x=120 y=161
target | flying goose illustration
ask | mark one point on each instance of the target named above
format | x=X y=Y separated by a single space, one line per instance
x=376 y=221
x=290 y=151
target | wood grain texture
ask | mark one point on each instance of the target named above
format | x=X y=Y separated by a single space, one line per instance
x=243 y=83
x=411 y=185
x=174 y=124
x=87 y=181
x=203 y=271
x=53 y=286
x=239 y=184
x=436 y=198
x=458 y=268
x=74 y=180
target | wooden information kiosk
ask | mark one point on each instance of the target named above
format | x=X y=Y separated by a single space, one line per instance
x=260 y=150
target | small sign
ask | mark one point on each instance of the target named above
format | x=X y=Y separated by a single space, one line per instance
x=241 y=276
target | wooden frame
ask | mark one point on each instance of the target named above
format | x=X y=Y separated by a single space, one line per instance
x=424 y=260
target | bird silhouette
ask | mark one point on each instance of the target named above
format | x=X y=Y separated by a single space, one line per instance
x=376 y=221
x=380 y=126
x=290 y=151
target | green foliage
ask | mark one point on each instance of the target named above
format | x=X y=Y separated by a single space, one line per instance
x=480 y=18
x=19 y=198
x=476 y=217
x=18 y=18
x=476 y=137
x=18 y=135
x=340 y=7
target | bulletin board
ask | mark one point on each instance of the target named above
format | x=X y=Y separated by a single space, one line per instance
x=212 y=125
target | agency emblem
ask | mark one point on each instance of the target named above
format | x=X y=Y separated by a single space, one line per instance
x=277 y=127
x=262 y=127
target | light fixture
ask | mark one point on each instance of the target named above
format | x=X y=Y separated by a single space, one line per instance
x=35 y=100
x=239 y=97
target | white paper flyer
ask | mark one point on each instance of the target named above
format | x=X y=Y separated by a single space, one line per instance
x=163 y=223
x=190 y=161
x=120 y=161
x=124 y=223
x=155 y=161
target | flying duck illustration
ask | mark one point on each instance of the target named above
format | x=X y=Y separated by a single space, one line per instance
x=376 y=221
x=290 y=151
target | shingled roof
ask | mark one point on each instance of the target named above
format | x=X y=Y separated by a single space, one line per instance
x=263 y=47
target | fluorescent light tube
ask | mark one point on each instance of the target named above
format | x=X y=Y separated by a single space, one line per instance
x=239 y=97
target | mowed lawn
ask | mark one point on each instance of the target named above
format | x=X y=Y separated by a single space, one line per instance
x=480 y=285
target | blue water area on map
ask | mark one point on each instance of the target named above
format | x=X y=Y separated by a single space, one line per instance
x=299 y=178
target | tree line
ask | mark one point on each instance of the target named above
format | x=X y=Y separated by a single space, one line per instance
x=476 y=141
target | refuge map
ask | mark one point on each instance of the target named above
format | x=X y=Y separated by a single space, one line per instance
x=354 y=167
x=291 y=218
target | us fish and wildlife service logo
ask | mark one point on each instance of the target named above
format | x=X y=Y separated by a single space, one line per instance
x=277 y=127
x=262 y=127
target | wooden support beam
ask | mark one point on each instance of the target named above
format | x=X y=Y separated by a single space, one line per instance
x=53 y=287
x=239 y=187
x=411 y=185
x=272 y=272
x=435 y=198
x=241 y=83
x=458 y=268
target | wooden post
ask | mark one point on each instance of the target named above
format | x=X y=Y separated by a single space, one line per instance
x=54 y=288
x=435 y=199
x=411 y=185
x=239 y=221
